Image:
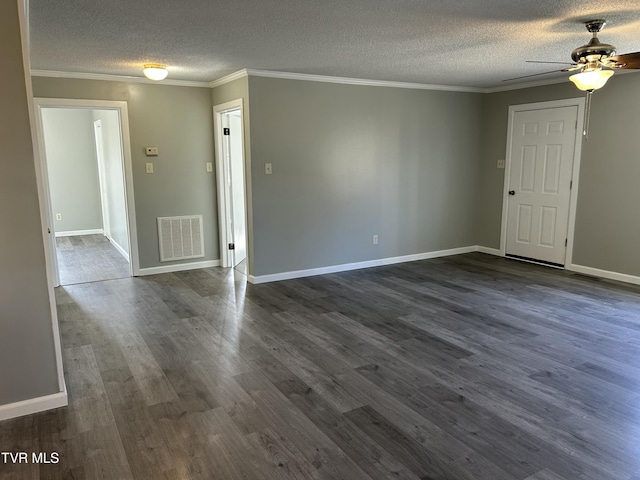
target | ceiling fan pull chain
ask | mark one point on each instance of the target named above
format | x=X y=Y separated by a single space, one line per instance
x=587 y=116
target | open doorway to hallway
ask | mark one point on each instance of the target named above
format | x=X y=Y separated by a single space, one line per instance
x=84 y=176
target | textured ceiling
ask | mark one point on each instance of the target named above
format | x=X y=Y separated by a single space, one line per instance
x=472 y=43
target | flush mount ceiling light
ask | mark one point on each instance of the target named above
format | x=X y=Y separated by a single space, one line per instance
x=155 y=71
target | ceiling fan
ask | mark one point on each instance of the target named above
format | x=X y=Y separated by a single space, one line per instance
x=595 y=61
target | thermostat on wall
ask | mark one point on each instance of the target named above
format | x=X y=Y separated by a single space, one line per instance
x=151 y=151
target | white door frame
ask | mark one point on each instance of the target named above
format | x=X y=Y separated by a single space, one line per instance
x=575 y=174
x=102 y=176
x=121 y=108
x=224 y=209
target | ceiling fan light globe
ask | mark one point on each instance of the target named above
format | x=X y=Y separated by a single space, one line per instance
x=593 y=80
x=155 y=71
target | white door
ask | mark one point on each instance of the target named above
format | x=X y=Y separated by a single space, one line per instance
x=234 y=190
x=236 y=163
x=541 y=165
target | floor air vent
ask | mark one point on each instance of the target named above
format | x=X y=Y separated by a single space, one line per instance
x=180 y=237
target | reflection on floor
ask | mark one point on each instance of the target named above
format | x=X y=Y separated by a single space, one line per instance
x=469 y=367
x=89 y=258
x=241 y=267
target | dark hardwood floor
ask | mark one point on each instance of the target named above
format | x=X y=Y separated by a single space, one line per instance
x=469 y=368
x=89 y=258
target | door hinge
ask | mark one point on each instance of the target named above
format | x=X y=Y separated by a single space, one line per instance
x=570 y=184
x=566 y=241
x=226 y=131
x=232 y=246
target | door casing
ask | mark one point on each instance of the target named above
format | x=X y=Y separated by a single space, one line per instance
x=121 y=107
x=224 y=208
x=575 y=175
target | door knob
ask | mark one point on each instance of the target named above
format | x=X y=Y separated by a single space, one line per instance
x=512 y=192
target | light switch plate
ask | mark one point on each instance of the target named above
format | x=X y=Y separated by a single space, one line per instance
x=267 y=169
x=500 y=163
x=149 y=167
x=209 y=166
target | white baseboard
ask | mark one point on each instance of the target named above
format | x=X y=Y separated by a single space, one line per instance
x=74 y=233
x=489 y=251
x=596 y=272
x=275 y=277
x=120 y=250
x=33 y=405
x=178 y=268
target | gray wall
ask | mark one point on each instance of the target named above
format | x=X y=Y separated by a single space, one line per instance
x=114 y=176
x=74 y=185
x=607 y=231
x=27 y=357
x=352 y=161
x=177 y=120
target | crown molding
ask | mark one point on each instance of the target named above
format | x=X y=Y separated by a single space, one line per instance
x=247 y=72
x=250 y=72
x=116 y=78
x=229 y=78
x=360 y=81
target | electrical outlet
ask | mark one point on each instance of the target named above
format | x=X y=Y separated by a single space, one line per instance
x=375 y=239
x=151 y=151
x=267 y=169
x=149 y=167
x=209 y=166
x=58 y=216
x=501 y=163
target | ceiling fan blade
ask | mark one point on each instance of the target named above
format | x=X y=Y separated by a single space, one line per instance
x=626 y=61
x=535 y=75
x=542 y=61
x=571 y=69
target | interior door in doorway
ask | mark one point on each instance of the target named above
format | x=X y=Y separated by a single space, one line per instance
x=235 y=163
x=539 y=186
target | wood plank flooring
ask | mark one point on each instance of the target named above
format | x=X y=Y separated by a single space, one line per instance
x=462 y=368
x=89 y=258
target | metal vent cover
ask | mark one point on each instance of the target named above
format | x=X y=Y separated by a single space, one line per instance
x=180 y=237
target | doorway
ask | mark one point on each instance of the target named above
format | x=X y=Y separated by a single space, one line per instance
x=85 y=169
x=230 y=169
x=541 y=181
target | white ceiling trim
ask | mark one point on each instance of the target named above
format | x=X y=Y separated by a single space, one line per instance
x=115 y=78
x=229 y=78
x=360 y=81
x=245 y=72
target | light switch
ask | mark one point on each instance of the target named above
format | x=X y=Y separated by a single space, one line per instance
x=267 y=169
x=151 y=151
x=500 y=163
x=149 y=167
x=209 y=166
